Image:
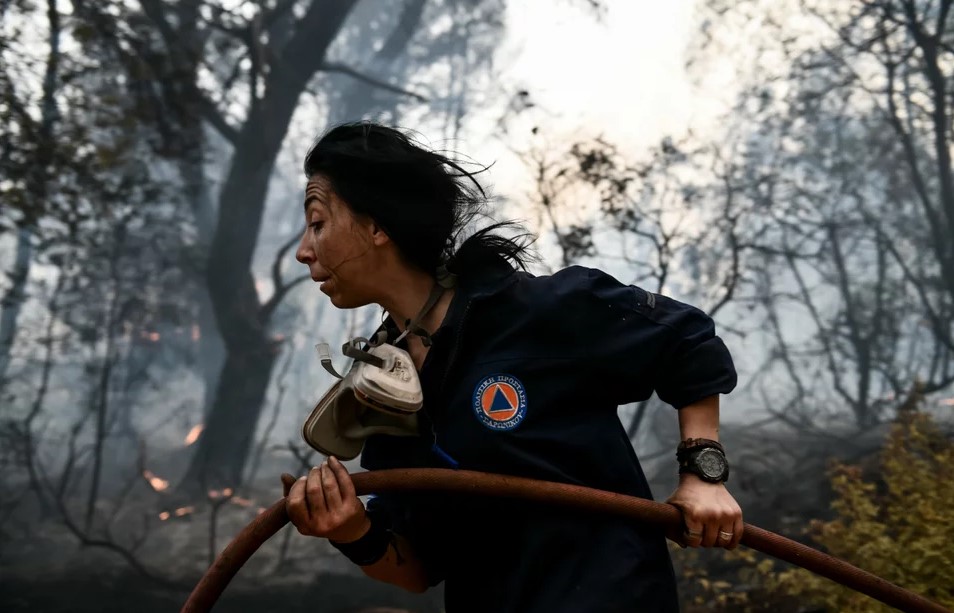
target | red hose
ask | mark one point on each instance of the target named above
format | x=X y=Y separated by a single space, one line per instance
x=217 y=577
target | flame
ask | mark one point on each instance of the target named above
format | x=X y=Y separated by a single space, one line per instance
x=948 y=402
x=153 y=336
x=157 y=483
x=279 y=338
x=196 y=332
x=184 y=511
x=164 y=516
x=242 y=502
x=224 y=493
x=193 y=434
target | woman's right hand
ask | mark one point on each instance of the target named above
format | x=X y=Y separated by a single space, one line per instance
x=324 y=503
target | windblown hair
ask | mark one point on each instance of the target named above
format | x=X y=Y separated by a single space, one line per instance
x=423 y=200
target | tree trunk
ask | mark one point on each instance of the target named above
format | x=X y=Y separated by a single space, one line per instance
x=209 y=351
x=13 y=300
x=38 y=182
x=225 y=443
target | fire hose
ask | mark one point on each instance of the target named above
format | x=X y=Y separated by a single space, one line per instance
x=228 y=563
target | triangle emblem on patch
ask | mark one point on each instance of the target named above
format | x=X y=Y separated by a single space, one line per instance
x=500 y=401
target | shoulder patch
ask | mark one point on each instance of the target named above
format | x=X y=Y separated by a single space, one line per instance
x=500 y=402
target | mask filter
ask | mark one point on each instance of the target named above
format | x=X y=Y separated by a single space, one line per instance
x=380 y=394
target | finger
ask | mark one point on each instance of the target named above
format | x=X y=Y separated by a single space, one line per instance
x=345 y=484
x=295 y=503
x=287 y=482
x=726 y=534
x=329 y=484
x=739 y=529
x=710 y=533
x=690 y=532
x=314 y=494
x=694 y=533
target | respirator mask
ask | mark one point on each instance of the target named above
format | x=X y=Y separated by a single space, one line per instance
x=380 y=394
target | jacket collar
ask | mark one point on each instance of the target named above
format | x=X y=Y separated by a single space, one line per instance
x=491 y=277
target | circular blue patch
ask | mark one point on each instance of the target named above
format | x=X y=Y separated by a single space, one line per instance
x=500 y=402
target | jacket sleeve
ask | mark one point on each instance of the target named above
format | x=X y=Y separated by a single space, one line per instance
x=641 y=342
x=397 y=513
x=413 y=515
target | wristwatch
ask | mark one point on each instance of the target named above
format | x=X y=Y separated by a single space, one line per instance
x=704 y=458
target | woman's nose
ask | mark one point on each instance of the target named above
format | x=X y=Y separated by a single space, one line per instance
x=304 y=253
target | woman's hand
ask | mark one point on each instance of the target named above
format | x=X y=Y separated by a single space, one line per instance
x=325 y=504
x=711 y=515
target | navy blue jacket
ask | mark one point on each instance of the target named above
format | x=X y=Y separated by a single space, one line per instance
x=524 y=377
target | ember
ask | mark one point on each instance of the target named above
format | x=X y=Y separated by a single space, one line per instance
x=193 y=434
x=157 y=483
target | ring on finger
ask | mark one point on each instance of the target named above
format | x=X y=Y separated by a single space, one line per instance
x=724 y=536
x=693 y=534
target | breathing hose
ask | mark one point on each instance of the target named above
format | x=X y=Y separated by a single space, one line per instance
x=217 y=577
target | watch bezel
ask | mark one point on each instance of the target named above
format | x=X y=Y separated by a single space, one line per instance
x=701 y=460
x=692 y=465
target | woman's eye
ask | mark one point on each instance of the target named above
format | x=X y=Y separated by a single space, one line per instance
x=316 y=225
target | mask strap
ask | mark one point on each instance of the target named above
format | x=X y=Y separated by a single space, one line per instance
x=353 y=350
x=411 y=325
x=324 y=353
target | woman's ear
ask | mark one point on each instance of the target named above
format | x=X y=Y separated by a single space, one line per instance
x=378 y=236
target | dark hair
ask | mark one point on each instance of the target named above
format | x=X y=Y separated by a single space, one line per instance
x=424 y=200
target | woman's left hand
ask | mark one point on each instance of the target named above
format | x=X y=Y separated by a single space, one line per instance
x=711 y=515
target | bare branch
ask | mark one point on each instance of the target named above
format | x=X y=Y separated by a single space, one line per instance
x=281 y=288
x=218 y=121
x=277 y=12
x=276 y=409
x=376 y=82
x=156 y=11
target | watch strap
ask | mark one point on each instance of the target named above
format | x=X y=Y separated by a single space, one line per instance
x=692 y=444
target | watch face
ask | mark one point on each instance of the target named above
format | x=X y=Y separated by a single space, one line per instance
x=711 y=463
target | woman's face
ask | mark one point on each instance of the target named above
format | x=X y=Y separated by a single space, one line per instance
x=339 y=248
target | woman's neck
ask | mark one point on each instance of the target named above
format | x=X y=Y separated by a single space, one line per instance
x=406 y=295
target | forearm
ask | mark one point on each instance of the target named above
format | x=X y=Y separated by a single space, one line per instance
x=400 y=567
x=700 y=419
x=711 y=516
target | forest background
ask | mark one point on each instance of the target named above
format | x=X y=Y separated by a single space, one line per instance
x=785 y=165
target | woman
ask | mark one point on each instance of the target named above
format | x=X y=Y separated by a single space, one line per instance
x=521 y=374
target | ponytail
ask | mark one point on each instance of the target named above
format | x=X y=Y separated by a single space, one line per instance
x=485 y=246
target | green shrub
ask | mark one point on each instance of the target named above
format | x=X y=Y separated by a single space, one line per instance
x=899 y=526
